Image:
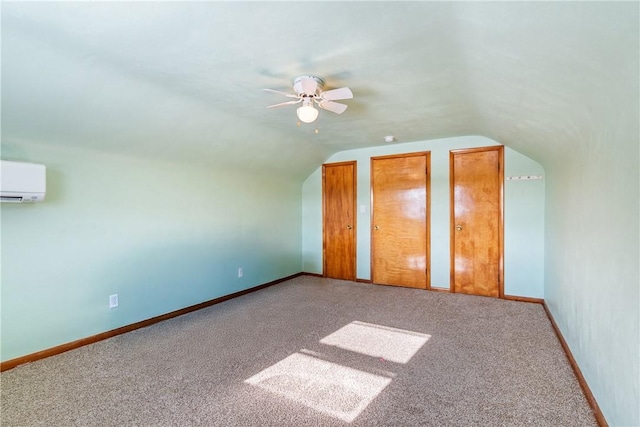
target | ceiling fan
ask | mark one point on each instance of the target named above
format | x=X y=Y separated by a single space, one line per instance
x=308 y=91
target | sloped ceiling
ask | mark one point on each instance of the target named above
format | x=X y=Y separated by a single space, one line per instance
x=183 y=81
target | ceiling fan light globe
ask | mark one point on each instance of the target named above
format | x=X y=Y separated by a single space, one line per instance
x=307 y=114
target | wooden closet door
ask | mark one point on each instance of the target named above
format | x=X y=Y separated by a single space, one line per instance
x=476 y=221
x=339 y=220
x=399 y=232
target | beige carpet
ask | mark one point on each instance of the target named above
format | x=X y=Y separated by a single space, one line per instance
x=314 y=352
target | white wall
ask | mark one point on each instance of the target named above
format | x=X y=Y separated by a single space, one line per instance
x=524 y=214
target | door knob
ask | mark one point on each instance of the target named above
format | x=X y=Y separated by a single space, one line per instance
x=349 y=227
x=375 y=227
x=459 y=227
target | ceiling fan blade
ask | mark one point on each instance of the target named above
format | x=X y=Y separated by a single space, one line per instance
x=334 y=107
x=335 y=94
x=282 y=104
x=290 y=95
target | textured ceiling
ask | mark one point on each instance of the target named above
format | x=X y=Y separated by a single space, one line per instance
x=183 y=81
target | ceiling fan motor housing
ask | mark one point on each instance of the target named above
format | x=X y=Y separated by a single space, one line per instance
x=300 y=83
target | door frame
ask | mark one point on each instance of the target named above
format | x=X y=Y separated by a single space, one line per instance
x=428 y=207
x=500 y=149
x=355 y=216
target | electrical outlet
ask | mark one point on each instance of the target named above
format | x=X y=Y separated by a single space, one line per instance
x=113 y=301
x=240 y=272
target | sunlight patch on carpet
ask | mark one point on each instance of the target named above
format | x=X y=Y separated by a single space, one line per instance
x=395 y=345
x=327 y=387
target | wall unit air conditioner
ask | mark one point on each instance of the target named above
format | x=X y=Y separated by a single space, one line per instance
x=22 y=182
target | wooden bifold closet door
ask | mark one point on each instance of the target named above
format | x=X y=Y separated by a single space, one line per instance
x=476 y=226
x=339 y=220
x=399 y=223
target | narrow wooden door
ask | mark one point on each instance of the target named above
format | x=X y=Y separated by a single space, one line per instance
x=339 y=220
x=476 y=221
x=399 y=225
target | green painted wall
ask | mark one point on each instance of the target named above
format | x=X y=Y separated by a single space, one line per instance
x=524 y=214
x=524 y=227
x=163 y=236
x=592 y=280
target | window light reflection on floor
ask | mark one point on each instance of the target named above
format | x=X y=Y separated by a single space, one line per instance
x=395 y=345
x=327 y=387
x=333 y=389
